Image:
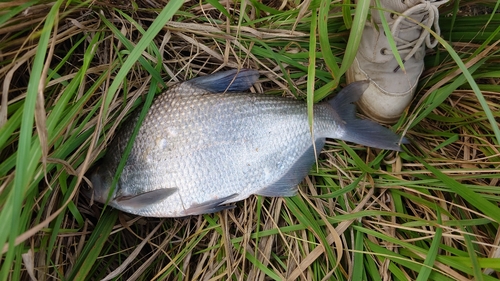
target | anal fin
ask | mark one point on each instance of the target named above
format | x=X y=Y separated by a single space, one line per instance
x=286 y=186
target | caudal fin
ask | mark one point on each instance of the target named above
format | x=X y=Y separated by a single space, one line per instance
x=364 y=132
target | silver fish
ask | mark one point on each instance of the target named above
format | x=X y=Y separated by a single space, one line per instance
x=202 y=146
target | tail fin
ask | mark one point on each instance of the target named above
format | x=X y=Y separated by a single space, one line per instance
x=364 y=132
x=233 y=80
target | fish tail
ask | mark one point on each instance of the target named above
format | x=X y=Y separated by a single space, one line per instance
x=362 y=131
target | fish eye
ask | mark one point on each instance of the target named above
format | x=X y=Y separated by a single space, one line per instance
x=87 y=188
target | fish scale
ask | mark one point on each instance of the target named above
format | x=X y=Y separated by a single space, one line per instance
x=207 y=154
x=200 y=147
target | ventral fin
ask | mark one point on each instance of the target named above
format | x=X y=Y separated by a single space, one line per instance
x=145 y=199
x=212 y=206
x=231 y=81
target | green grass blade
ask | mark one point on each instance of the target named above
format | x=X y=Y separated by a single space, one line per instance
x=485 y=206
x=130 y=143
x=151 y=70
x=346 y=13
x=324 y=42
x=441 y=94
x=135 y=55
x=311 y=71
x=390 y=38
x=358 y=268
x=166 y=14
x=472 y=83
x=28 y=156
x=216 y=4
x=471 y=250
x=430 y=258
x=358 y=25
x=16 y=10
x=90 y=253
x=305 y=216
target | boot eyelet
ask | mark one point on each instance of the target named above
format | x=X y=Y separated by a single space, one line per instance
x=382 y=51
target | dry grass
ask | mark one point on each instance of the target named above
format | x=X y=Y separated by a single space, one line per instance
x=364 y=213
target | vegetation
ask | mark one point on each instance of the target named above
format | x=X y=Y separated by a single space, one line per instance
x=71 y=71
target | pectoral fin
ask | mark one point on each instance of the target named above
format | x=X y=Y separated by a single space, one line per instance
x=145 y=199
x=211 y=206
x=232 y=81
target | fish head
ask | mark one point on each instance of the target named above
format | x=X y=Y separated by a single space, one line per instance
x=101 y=181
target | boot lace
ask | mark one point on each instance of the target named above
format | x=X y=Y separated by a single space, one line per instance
x=403 y=23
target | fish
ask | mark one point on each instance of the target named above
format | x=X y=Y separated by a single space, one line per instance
x=208 y=142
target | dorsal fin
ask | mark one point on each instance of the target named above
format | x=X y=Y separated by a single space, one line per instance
x=233 y=80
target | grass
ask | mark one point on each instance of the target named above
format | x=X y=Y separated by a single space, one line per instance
x=71 y=71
